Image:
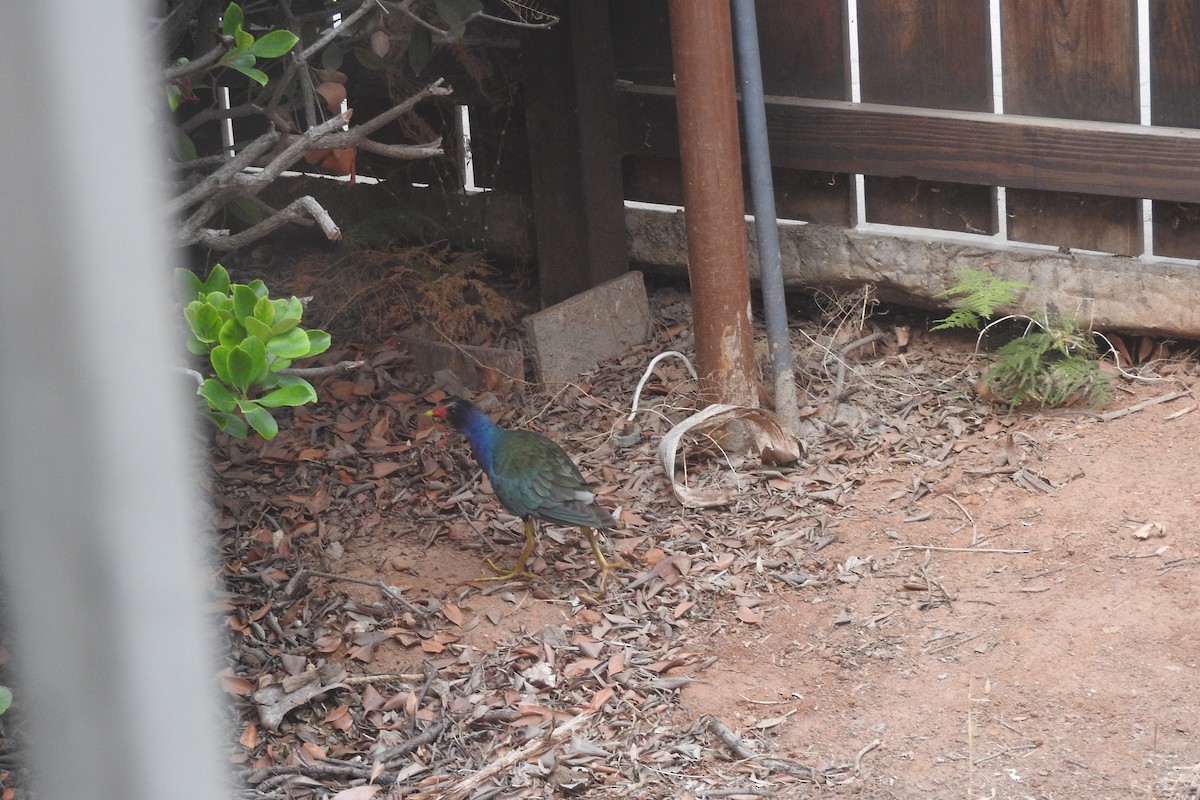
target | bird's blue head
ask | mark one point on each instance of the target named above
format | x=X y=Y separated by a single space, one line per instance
x=472 y=423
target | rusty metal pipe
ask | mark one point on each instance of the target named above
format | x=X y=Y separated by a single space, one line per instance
x=702 y=45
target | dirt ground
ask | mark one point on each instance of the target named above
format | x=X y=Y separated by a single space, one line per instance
x=1005 y=644
x=941 y=600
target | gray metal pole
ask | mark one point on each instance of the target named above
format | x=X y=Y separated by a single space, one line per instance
x=762 y=193
x=101 y=560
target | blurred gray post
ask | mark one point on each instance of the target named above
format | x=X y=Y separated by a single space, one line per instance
x=100 y=557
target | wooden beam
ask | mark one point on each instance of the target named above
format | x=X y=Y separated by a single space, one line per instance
x=570 y=108
x=1105 y=158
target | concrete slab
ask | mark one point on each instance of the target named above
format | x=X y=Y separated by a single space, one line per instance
x=571 y=337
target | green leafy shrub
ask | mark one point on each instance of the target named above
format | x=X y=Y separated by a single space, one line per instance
x=250 y=340
x=1054 y=362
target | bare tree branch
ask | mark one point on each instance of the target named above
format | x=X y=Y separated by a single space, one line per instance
x=434 y=89
x=216 y=180
x=177 y=71
x=226 y=174
x=298 y=209
x=403 y=152
x=245 y=110
x=343 y=29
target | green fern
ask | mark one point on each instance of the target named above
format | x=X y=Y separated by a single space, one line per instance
x=979 y=295
x=1054 y=366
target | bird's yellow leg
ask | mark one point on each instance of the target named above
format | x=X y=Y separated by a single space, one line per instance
x=606 y=566
x=518 y=570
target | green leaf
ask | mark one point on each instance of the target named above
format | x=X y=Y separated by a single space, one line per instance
x=243 y=62
x=5 y=698
x=290 y=380
x=420 y=48
x=294 y=395
x=245 y=210
x=258 y=354
x=217 y=280
x=242 y=40
x=244 y=299
x=219 y=358
x=182 y=145
x=274 y=44
x=232 y=20
x=260 y=419
x=229 y=423
x=254 y=74
x=196 y=346
x=242 y=368
x=187 y=285
x=232 y=333
x=318 y=342
x=332 y=57
x=292 y=344
x=260 y=288
x=205 y=321
x=287 y=314
x=218 y=395
x=258 y=329
x=173 y=96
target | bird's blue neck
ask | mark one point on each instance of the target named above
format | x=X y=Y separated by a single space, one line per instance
x=483 y=434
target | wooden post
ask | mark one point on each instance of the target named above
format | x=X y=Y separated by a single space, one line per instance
x=702 y=44
x=575 y=163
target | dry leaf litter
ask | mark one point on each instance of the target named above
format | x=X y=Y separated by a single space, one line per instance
x=351 y=673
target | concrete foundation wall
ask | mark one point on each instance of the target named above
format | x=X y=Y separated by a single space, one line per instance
x=1116 y=293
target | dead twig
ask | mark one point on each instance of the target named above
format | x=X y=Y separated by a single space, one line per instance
x=340 y=368
x=391 y=592
x=535 y=747
x=960 y=549
x=743 y=751
x=1133 y=409
x=967 y=514
x=298 y=210
x=427 y=736
x=1019 y=748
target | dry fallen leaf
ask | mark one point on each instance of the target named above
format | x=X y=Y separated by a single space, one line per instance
x=750 y=616
x=1148 y=530
x=274 y=702
x=364 y=792
x=249 y=737
x=773 y=722
x=232 y=684
x=775 y=444
x=453 y=613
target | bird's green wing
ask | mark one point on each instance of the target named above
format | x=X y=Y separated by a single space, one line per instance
x=533 y=476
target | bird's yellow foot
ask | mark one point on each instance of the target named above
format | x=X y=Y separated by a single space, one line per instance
x=606 y=567
x=518 y=571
